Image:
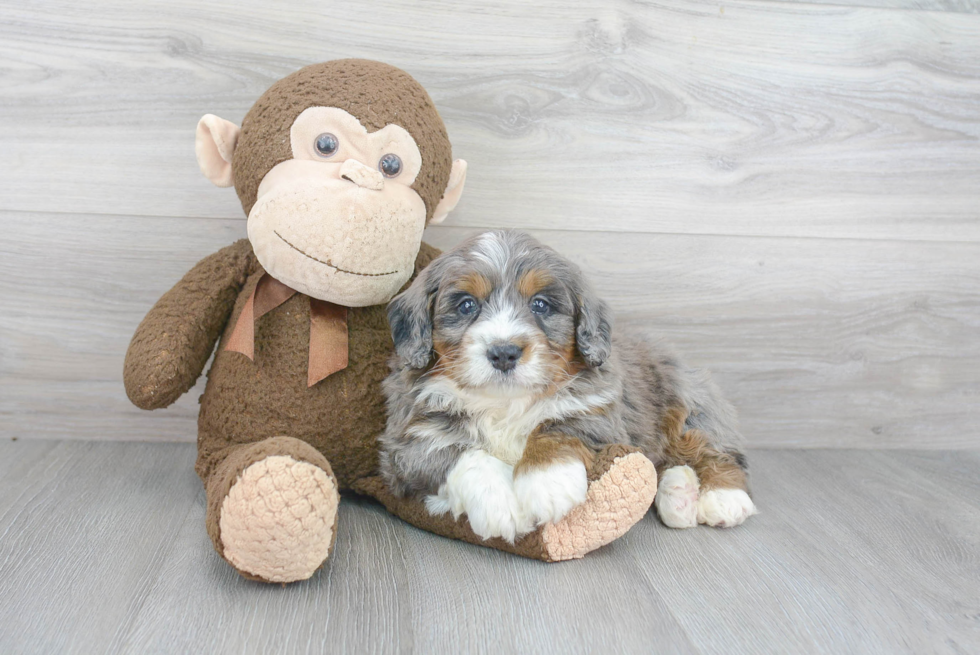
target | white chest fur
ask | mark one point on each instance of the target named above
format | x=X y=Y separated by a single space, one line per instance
x=501 y=424
x=503 y=431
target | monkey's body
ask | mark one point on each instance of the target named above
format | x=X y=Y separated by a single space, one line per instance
x=247 y=401
x=251 y=410
x=278 y=440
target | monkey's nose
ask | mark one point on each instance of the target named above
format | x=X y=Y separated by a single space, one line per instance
x=504 y=356
x=361 y=175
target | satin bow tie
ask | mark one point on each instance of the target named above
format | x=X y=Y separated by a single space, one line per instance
x=328 y=328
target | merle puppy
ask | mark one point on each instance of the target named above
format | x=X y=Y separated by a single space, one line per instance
x=509 y=375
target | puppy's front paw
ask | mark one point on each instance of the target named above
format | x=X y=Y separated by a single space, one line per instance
x=481 y=486
x=548 y=494
x=677 y=497
x=725 y=508
x=497 y=514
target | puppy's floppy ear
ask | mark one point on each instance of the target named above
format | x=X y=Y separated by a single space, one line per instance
x=593 y=329
x=410 y=317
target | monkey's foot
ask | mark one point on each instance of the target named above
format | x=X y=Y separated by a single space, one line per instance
x=278 y=521
x=622 y=485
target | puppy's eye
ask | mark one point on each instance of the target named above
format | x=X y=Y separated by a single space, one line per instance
x=326 y=144
x=390 y=165
x=467 y=306
x=540 y=306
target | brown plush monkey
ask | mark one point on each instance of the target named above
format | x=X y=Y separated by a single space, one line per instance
x=339 y=168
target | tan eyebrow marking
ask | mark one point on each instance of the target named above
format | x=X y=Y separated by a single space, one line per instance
x=476 y=285
x=534 y=281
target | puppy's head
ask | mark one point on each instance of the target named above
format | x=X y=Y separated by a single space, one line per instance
x=503 y=313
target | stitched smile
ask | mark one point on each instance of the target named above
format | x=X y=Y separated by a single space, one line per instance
x=336 y=268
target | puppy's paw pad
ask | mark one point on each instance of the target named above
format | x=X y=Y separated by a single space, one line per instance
x=548 y=494
x=677 y=497
x=725 y=508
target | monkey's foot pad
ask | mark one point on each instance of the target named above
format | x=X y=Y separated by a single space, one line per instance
x=615 y=502
x=278 y=520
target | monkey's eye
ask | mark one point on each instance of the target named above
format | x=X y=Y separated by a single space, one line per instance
x=390 y=165
x=327 y=144
x=540 y=306
x=467 y=306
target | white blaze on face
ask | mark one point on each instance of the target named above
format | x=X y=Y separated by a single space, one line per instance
x=501 y=325
x=492 y=251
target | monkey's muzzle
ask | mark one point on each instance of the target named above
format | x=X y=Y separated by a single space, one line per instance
x=337 y=240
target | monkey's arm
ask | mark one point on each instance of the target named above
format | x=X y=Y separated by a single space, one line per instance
x=175 y=339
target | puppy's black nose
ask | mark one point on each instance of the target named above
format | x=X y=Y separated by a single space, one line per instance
x=504 y=356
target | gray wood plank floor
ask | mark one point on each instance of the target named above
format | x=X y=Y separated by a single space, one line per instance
x=103 y=549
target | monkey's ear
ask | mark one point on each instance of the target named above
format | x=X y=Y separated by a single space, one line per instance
x=454 y=189
x=214 y=145
x=593 y=332
x=410 y=318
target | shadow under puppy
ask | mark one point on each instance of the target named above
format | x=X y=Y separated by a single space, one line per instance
x=510 y=377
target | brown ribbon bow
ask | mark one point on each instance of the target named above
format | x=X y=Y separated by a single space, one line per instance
x=328 y=328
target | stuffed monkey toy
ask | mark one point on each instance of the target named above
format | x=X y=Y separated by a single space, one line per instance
x=339 y=167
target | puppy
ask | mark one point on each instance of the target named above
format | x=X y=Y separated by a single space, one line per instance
x=508 y=377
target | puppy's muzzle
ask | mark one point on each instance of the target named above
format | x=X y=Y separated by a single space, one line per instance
x=504 y=356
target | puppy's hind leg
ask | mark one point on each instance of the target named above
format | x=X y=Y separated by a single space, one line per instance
x=724 y=500
x=702 y=484
x=677 y=497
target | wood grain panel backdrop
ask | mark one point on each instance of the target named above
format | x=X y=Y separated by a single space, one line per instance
x=789 y=193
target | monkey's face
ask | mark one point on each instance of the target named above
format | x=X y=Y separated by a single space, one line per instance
x=340 y=221
x=337 y=198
